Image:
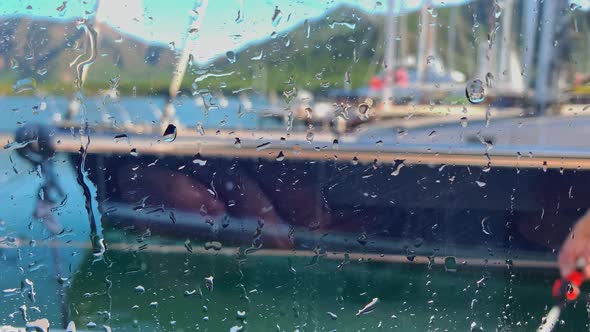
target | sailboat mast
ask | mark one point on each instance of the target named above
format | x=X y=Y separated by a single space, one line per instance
x=182 y=64
x=389 y=58
x=530 y=22
x=421 y=56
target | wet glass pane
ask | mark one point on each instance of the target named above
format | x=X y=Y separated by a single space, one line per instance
x=311 y=165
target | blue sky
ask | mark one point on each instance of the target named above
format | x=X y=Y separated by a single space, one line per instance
x=166 y=21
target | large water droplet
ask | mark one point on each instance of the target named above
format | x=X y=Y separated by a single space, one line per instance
x=497 y=10
x=215 y=245
x=231 y=56
x=574 y=6
x=38 y=325
x=432 y=12
x=198 y=159
x=62 y=7
x=369 y=307
x=347 y=77
x=397 y=167
x=170 y=133
x=139 y=289
x=121 y=138
x=365 y=108
x=485 y=226
x=309 y=136
x=464 y=122
x=280 y=156
x=71 y=327
x=450 y=264
x=350 y=25
x=490 y=80
x=276 y=16
x=25 y=84
x=209 y=283
x=475 y=91
x=200 y=128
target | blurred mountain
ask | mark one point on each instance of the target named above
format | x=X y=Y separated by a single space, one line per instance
x=343 y=48
x=47 y=50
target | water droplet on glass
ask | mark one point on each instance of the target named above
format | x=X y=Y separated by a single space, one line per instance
x=263 y=146
x=365 y=108
x=362 y=239
x=38 y=325
x=200 y=128
x=397 y=167
x=355 y=160
x=332 y=315
x=369 y=307
x=349 y=25
x=574 y=6
x=198 y=159
x=62 y=7
x=170 y=133
x=188 y=246
x=485 y=226
x=475 y=91
x=280 y=156
x=355 y=55
x=225 y=219
x=430 y=59
x=209 y=283
x=25 y=84
x=71 y=327
x=432 y=12
x=497 y=10
x=464 y=122
x=133 y=152
x=231 y=56
x=307 y=28
x=215 y=245
x=139 y=289
x=309 y=135
x=450 y=264
x=237 y=143
x=335 y=144
x=121 y=138
x=347 y=77
x=489 y=80
x=480 y=184
x=276 y=16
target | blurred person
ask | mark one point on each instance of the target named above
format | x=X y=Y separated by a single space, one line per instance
x=219 y=190
x=576 y=246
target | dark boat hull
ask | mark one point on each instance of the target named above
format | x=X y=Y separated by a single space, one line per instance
x=341 y=206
